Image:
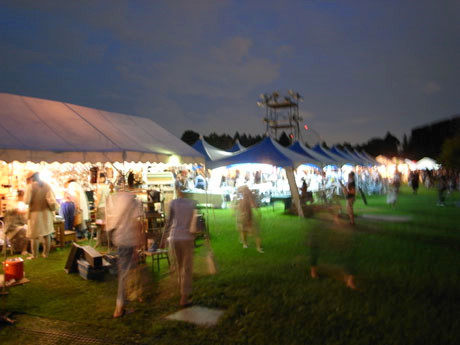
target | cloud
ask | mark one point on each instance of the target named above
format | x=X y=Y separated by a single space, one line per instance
x=226 y=71
x=431 y=87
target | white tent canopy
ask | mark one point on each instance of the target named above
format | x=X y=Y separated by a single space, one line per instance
x=37 y=130
x=427 y=163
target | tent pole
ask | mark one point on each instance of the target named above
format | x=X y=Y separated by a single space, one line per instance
x=294 y=190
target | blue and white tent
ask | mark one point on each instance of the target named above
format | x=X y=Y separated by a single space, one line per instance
x=267 y=151
x=370 y=162
x=350 y=159
x=317 y=159
x=340 y=161
x=236 y=147
x=211 y=153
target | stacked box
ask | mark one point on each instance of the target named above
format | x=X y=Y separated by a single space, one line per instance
x=90 y=273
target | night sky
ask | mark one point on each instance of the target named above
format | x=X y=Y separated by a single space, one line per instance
x=363 y=67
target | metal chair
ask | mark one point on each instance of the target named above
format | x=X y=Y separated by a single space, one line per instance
x=161 y=251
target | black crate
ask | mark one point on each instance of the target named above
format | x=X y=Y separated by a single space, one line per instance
x=89 y=273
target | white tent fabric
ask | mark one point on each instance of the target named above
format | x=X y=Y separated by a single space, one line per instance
x=37 y=130
x=427 y=163
x=211 y=153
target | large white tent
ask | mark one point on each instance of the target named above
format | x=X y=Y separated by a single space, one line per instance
x=39 y=130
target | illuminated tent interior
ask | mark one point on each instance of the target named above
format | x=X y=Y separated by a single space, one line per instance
x=62 y=140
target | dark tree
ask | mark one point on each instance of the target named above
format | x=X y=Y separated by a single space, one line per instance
x=190 y=137
x=450 y=154
x=428 y=140
x=284 y=140
x=223 y=141
x=389 y=146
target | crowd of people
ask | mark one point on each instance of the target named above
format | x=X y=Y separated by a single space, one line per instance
x=29 y=219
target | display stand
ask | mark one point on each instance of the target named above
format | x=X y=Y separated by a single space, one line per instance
x=5 y=317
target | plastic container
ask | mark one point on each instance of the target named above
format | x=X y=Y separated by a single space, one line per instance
x=13 y=269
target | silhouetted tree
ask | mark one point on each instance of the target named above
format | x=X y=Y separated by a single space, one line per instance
x=284 y=140
x=221 y=141
x=389 y=146
x=428 y=140
x=190 y=137
x=450 y=154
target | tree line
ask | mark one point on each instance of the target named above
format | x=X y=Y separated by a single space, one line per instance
x=439 y=140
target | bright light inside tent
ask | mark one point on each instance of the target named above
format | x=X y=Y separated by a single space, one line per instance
x=174 y=160
x=45 y=175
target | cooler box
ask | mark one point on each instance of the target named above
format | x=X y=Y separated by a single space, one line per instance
x=13 y=269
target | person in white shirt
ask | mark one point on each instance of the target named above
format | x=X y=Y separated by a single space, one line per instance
x=81 y=205
x=182 y=241
x=123 y=216
x=103 y=191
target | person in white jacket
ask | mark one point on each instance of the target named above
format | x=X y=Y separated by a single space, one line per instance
x=123 y=216
x=81 y=206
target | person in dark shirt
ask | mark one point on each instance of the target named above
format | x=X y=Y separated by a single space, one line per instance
x=350 y=194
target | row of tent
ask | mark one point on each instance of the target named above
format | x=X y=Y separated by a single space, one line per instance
x=37 y=130
x=268 y=151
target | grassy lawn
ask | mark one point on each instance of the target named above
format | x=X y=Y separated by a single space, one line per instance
x=408 y=278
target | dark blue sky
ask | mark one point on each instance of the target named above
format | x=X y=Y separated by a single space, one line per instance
x=363 y=67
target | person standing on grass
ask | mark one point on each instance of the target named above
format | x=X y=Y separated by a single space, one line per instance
x=246 y=222
x=442 y=189
x=350 y=195
x=42 y=205
x=182 y=241
x=124 y=216
x=81 y=206
x=414 y=181
x=103 y=191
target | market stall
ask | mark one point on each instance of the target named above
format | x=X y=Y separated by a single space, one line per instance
x=62 y=141
x=271 y=153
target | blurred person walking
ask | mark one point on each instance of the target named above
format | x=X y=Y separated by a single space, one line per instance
x=182 y=241
x=15 y=224
x=414 y=180
x=42 y=205
x=81 y=207
x=124 y=217
x=333 y=237
x=246 y=220
x=350 y=195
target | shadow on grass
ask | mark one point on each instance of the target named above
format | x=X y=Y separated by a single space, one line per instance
x=423 y=238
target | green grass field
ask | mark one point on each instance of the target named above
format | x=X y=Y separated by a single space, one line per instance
x=407 y=273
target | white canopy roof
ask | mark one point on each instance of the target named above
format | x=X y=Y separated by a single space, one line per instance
x=427 y=163
x=33 y=129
